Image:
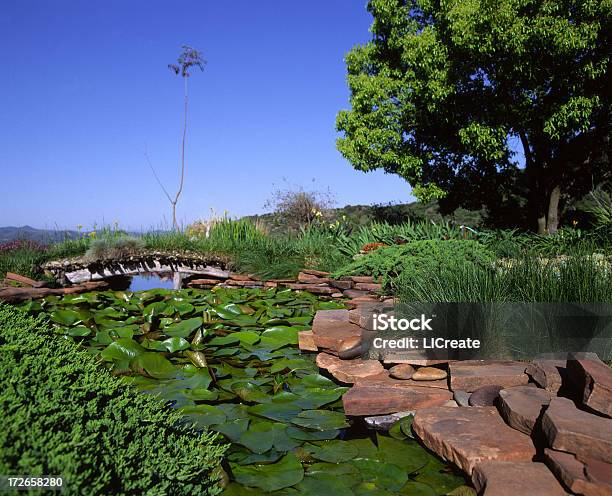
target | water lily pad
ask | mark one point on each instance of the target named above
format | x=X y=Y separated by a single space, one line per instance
x=122 y=349
x=280 y=412
x=65 y=317
x=332 y=451
x=413 y=488
x=184 y=328
x=407 y=455
x=286 y=472
x=320 y=420
x=320 y=483
x=155 y=364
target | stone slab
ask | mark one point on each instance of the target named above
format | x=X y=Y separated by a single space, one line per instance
x=384 y=380
x=547 y=373
x=575 y=431
x=376 y=400
x=469 y=436
x=349 y=371
x=470 y=375
x=494 y=478
x=588 y=479
x=306 y=341
x=522 y=406
x=593 y=380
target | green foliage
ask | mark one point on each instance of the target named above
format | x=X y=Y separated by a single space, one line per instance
x=114 y=248
x=442 y=89
x=418 y=260
x=63 y=414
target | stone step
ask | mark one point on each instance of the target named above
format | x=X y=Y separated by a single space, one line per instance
x=522 y=406
x=349 y=371
x=547 y=373
x=469 y=436
x=593 y=381
x=470 y=375
x=495 y=478
x=589 y=477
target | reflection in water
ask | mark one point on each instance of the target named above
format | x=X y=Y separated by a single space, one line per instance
x=151 y=281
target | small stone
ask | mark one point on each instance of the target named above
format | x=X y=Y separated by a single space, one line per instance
x=593 y=380
x=469 y=436
x=429 y=374
x=576 y=431
x=350 y=348
x=462 y=398
x=450 y=404
x=593 y=478
x=341 y=284
x=522 y=406
x=485 y=396
x=385 y=422
x=494 y=478
x=470 y=375
x=402 y=371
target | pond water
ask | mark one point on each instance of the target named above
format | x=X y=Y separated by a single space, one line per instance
x=228 y=360
x=148 y=281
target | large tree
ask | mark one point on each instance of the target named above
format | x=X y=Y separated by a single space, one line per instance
x=446 y=90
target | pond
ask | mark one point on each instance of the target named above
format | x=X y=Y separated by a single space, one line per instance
x=228 y=360
x=147 y=281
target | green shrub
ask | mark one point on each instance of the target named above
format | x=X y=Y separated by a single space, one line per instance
x=418 y=259
x=119 y=247
x=62 y=414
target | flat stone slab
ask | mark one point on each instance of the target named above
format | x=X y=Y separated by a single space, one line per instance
x=547 y=373
x=593 y=478
x=593 y=379
x=522 y=406
x=496 y=478
x=331 y=328
x=575 y=431
x=469 y=436
x=470 y=375
x=377 y=400
x=385 y=380
x=349 y=371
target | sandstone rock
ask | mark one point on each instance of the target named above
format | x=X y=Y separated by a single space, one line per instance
x=326 y=361
x=576 y=431
x=244 y=283
x=349 y=371
x=362 y=279
x=429 y=374
x=318 y=273
x=547 y=373
x=337 y=295
x=384 y=380
x=270 y=284
x=402 y=371
x=350 y=348
x=323 y=289
x=239 y=277
x=593 y=379
x=18 y=295
x=469 y=436
x=361 y=301
x=495 y=478
x=485 y=396
x=364 y=286
x=450 y=404
x=470 y=375
x=354 y=293
x=376 y=400
x=203 y=282
x=522 y=406
x=341 y=283
x=306 y=341
x=331 y=332
x=591 y=479
x=418 y=358
x=385 y=422
x=309 y=278
x=462 y=398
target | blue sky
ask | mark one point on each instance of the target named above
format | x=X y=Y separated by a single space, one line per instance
x=85 y=88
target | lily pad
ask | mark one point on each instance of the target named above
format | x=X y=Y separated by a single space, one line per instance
x=332 y=451
x=286 y=472
x=320 y=420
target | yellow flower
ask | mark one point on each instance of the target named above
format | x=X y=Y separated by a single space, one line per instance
x=574 y=223
x=92 y=234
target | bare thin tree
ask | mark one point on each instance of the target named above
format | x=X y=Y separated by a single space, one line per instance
x=188 y=59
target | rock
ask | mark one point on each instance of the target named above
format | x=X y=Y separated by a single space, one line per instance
x=341 y=283
x=547 y=373
x=309 y=278
x=239 y=277
x=18 y=295
x=462 y=398
x=322 y=289
x=361 y=301
x=385 y=422
x=349 y=371
x=469 y=436
x=522 y=406
x=470 y=375
x=331 y=329
x=450 y=404
x=203 y=282
x=306 y=341
x=350 y=348
x=593 y=380
x=354 y=293
x=485 y=396
x=377 y=400
x=318 y=273
x=362 y=279
x=591 y=479
x=26 y=281
x=337 y=295
x=402 y=371
x=364 y=286
x=384 y=380
x=418 y=358
x=429 y=374
x=495 y=478
x=575 y=431
x=244 y=283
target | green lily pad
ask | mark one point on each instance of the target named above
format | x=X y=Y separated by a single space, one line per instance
x=319 y=483
x=155 y=365
x=384 y=475
x=332 y=451
x=320 y=420
x=122 y=349
x=286 y=472
x=184 y=328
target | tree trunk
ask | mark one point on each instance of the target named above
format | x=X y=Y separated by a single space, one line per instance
x=552 y=223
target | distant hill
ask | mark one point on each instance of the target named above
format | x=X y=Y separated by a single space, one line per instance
x=11 y=233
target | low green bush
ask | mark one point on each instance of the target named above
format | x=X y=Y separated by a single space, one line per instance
x=418 y=259
x=63 y=414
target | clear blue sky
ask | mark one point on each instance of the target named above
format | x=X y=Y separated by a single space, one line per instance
x=85 y=87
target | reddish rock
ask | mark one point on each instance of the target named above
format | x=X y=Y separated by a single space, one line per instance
x=240 y=277
x=378 y=400
x=341 y=283
x=355 y=293
x=364 y=286
x=470 y=375
x=203 y=282
x=362 y=301
x=306 y=341
x=495 y=478
x=593 y=478
x=318 y=273
x=323 y=289
x=18 y=295
x=402 y=371
x=350 y=348
x=429 y=374
x=281 y=281
x=593 y=380
x=331 y=328
x=350 y=371
x=417 y=358
x=469 y=436
x=310 y=279
x=386 y=381
x=243 y=283
x=522 y=406
x=270 y=284
x=362 y=279
x=575 y=431
x=547 y=373
x=485 y=396
x=337 y=295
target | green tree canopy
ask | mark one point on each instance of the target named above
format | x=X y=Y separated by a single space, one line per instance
x=444 y=89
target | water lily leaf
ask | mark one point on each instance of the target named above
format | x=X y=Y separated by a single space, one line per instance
x=320 y=483
x=332 y=451
x=197 y=358
x=439 y=476
x=346 y=471
x=413 y=488
x=234 y=489
x=155 y=365
x=65 y=317
x=278 y=336
x=306 y=435
x=204 y=415
x=385 y=475
x=223 y=340
x=183 y=328
x=395 y=431
x=317 y=397
x=247 y=391
x=405 y=424
x=244 y=456
x=233 y=429
x=292 y=365
x=258 y=437
x=320 y=420
x=122 y=349
x=175 y=344
x=281 y=412
x=78 y=331
x=286 y=472
x=407 y=455
x=370 y=489
x=463 y=491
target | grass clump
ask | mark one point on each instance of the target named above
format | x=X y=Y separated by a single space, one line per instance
x=65 y=415
x=114 y=248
